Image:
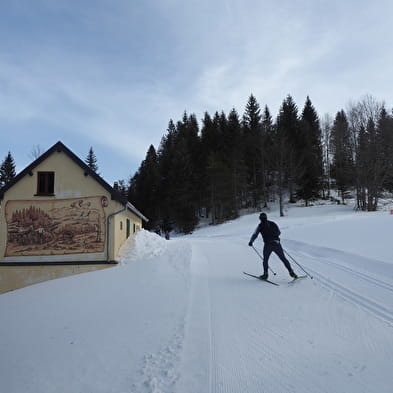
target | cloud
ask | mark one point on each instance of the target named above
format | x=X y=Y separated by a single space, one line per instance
x=116 y=73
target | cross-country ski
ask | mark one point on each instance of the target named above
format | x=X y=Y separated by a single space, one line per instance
x=260 y=278
x=297 y=279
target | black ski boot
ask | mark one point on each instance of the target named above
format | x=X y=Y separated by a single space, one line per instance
x=264 y=276
x=293 y=275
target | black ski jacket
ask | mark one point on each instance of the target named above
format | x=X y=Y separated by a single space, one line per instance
x=269 y=231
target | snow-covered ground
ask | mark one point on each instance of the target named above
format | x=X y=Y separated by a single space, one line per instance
x=179 y=316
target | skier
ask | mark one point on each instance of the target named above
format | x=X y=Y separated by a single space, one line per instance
x=270 y=234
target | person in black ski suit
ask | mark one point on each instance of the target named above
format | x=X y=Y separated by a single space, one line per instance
x=270 y=234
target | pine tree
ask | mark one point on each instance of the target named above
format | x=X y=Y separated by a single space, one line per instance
x=211 y=154
x=385 y=130
x=290 y=145
x=7 y=170
x=252 y=131
x=311 y=154
x=223 y=165
x=91 y=160
x=342 y=168
x=219 y=177
x=267 y=153
x=279 y=157
x=233 y=148
x=187 y=172
x=167 y=176
x=180 y=174
x=144 y=188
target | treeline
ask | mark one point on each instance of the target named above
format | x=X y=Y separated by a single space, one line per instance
x=231 y=163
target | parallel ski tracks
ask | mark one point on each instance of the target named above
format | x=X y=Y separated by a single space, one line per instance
x=379 y=283
x=368 y=304
x=379 y=310
x=363 y=276
x=242 y=348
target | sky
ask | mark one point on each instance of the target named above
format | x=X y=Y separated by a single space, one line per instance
x=110 y=74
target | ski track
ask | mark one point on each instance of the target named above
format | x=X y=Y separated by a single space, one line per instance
x=366 y=304
x=232 y=349
x=244 y=357
x=352 y=292
x=363 y=276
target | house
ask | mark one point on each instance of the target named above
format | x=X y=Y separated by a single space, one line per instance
x=58 y=218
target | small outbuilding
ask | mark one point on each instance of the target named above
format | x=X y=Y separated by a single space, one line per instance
x=57 y=218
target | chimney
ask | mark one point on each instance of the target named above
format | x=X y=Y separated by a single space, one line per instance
x=116 y=186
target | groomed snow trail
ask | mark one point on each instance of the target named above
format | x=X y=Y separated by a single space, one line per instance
x=312 y=336
x=180 y=316
x=351 y=277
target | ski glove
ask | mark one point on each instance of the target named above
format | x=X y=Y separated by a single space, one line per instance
x=250 y=244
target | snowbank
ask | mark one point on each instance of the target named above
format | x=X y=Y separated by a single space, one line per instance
x=144 y=245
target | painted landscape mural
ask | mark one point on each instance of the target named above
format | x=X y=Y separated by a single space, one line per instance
x=55 y=227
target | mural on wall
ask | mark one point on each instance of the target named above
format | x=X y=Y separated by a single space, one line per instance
x=55 y=227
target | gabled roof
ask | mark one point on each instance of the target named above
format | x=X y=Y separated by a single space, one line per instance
x=60 y=147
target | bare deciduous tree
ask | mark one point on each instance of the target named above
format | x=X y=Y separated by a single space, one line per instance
x=326 y=135
x=35 y=152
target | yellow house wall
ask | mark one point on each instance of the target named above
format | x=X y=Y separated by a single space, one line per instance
x=118 y=228
x=70 y=183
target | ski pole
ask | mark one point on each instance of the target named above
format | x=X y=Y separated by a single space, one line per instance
x=301 y=267
x=260 y=256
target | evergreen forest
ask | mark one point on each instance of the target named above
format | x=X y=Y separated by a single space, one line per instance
x=213 y=170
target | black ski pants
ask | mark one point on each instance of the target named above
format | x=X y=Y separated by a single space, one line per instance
x=268 y=248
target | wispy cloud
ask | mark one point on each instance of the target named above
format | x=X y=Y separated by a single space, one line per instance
x=114 y=74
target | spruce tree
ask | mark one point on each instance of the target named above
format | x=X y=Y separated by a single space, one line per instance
x=252 y=131
x=279 y=157
x=211 y=153
x=7 y=170
x=234 y=154
x=144 y=188
x=223 y=165
x=267 y=153
x=290 y=145
x=311 y=154
x=91 y=160
x=342 y=168
x=186 y=187
x=180 y=174
x=167 y=174
x=385 y=130
x=219 y=177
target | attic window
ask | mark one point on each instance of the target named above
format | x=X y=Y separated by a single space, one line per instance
x=45 y=183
